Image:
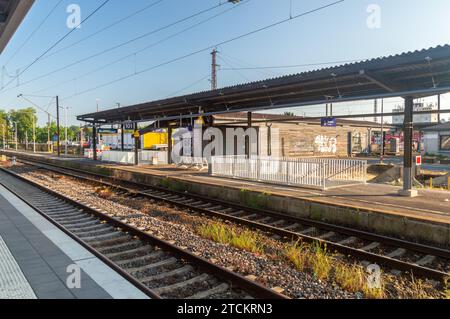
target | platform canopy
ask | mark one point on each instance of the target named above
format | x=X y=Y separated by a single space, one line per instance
x=12 y=12
x=413 y=74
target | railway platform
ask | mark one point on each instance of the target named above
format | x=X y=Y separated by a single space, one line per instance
x=39 y=261
x=371 y=207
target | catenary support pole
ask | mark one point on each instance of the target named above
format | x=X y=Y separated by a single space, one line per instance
x=58 y=130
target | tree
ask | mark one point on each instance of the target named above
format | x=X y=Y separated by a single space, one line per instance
x=24 y=119
x=289 y=114
x=73 y=133
x=4 y=127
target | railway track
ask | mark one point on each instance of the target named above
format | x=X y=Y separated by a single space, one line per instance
x=394 y=254
x=156 y=267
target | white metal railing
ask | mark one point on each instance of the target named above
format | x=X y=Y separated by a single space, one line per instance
x=145 y=157
x=312 y=172
x=200 y=163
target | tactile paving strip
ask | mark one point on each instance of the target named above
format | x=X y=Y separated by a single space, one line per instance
x=13 y=284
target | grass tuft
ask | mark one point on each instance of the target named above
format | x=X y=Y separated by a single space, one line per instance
x=447 y=288
x=321 y=262
x=324 y=266
x=103 y=192
x=298 y=254
x=245 y=240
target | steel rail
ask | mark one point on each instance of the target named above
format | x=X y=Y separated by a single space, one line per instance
x=253 y=288
x=290 y=235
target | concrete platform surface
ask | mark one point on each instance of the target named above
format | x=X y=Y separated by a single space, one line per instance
x=35 y=256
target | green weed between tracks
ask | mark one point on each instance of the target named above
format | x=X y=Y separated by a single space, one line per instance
x=245 y=240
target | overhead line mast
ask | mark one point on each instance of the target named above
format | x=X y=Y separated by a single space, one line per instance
x=214 y=66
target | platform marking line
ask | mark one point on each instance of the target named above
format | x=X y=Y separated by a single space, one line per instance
x=13 y=284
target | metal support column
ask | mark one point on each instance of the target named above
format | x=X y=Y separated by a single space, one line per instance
x=58 y=130
x=94 y=141
x=408 y=151
x=136 y=144
x=383 y=140
x=247 y=140
x=122 y=137
x=439 y=108
x=169 y=143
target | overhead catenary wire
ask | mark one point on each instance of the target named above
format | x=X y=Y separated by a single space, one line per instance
x=241 y=63
x=123 y=58
x=237 y=71
x=33 y=33
x=209 y=47
x=59 y=41
x=120 y=45
x=45 y=110
x=115 y=23
x=189 y=86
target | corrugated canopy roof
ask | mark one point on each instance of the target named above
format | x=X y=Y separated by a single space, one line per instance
x=12 y=12
x=417 y=74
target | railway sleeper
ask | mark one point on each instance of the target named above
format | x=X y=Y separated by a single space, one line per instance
x=100 y=237
x=428 y=259
x=176 y=272
x=88 y=233
x=220 y=289
x=163 y=263
x=397 y=253
x=80 y=219
x=130 y=253
x=119 y=246
x=348 y=241
x=370 y=246
x=80 y=225
x=109 y=242
x=151 y=256
x=64 y=214
x=167 y=289
x=88 y=228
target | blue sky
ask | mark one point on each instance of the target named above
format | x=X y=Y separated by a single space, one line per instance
x=339 y=33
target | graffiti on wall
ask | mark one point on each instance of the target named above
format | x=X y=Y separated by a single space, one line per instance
x=326 y=144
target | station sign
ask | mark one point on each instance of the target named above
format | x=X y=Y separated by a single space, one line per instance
x=419 y=160
x=107 y=131
x=328 y=122
x=128 y=126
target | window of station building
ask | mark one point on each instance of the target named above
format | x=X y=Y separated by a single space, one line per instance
x=445 y=142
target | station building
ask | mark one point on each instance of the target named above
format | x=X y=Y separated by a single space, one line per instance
x=282 y=136
x=293 y=136
x=437 y=139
